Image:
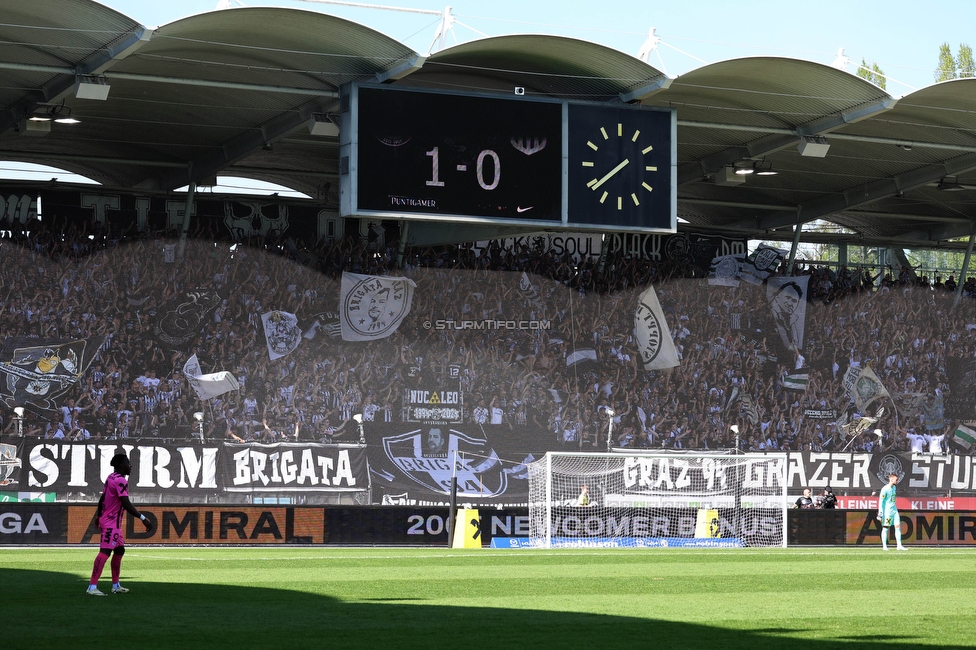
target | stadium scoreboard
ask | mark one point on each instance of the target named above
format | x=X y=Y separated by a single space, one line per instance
x=546 y=163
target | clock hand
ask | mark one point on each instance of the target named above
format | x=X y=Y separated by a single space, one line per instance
x=610 y=174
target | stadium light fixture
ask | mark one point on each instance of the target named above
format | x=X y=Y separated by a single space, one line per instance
x=813 y=146
x=950 y=184
x=92 y=87
x=57 y=113
x=323 y=125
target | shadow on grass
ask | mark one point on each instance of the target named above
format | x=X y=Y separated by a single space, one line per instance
x=44 y=609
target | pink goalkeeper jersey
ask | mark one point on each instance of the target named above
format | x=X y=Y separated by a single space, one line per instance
x=116 y=487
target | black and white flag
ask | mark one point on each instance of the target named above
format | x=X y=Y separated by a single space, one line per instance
x=38 y=371
x=724 y=270
x=531 y=293
x=787 y=298
x=183 y=317
x=373 y=306
x=761 y=263
x=281 y=332
x=580 y=356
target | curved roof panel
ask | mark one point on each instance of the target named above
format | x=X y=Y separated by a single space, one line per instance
x=545 y=65
x=232 y=92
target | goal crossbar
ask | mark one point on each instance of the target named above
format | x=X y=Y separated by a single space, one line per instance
x=655 y=499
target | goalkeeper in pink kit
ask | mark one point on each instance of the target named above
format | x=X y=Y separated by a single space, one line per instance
x=115 y=500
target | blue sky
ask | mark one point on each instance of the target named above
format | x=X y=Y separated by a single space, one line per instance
x=901 y=36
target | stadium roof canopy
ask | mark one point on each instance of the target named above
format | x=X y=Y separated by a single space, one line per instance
x=232 y=92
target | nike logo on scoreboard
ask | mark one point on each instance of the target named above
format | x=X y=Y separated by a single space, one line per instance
x=520 y=209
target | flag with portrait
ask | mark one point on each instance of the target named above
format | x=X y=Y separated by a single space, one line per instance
x=372 y=307
x=865 y=389
x=787 y=302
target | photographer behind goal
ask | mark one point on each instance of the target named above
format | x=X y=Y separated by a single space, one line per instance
x=827 y=500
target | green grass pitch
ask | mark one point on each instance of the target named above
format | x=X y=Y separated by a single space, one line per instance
x=303 y=597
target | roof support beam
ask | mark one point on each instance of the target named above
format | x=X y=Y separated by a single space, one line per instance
x=63 y=84
x=938 y=234
x=185 y=81
x=112 y=54
x=863 y=194
x=240 y=146
x=66 y=157
x=776 y=140
x=401 y=69
x=837 y=120
x=646 y=90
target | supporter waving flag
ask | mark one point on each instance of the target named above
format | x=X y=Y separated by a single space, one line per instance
x=761 y=263
x=281 y=332
x=38 y=371
x=531 y=293
x=652 y=333
x=867 y=389
x=209 y=385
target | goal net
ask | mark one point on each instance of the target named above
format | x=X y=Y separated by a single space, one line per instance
x=657 y=499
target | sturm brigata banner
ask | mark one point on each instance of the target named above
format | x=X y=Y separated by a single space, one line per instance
x=412 y=464
x=192 y=469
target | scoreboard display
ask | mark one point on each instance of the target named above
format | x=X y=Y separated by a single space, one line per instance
x=409 y=154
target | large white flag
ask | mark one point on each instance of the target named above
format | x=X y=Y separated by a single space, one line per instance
x=787 y=297
x=281 y=332
x=652 y=333
x=209 y=385
x=373 y=306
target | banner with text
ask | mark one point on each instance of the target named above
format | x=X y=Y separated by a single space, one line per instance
x=192 y=469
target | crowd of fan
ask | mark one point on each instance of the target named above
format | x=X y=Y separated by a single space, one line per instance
x=87 y=283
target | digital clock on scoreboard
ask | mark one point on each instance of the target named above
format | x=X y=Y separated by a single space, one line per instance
x=478 y=158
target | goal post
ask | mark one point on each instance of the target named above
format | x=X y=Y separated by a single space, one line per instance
x=657 y=499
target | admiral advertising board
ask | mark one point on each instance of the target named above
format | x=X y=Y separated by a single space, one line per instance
x=926 y=528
